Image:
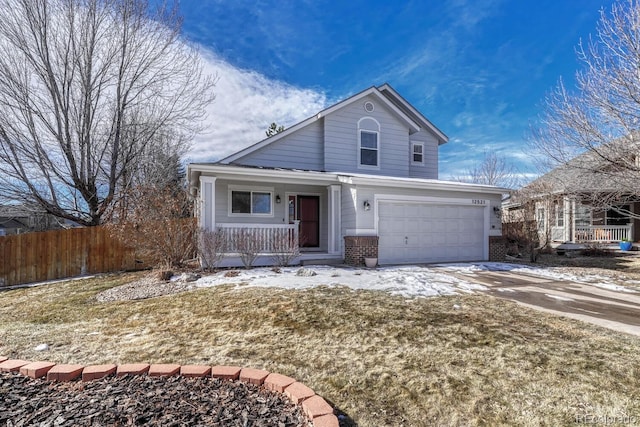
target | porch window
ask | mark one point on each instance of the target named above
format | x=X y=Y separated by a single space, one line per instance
x=583 y=216
x=368 y=148
x=251 y=202
x=618 y=216
x=417 y=153
x=559 y=214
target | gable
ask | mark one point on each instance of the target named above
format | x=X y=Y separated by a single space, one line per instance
x=342 y=129
x=300 y=149
x=332 y=139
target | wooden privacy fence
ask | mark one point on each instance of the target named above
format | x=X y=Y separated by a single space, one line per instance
x=35 y=257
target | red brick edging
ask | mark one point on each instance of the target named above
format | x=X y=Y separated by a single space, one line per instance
x=316 y=408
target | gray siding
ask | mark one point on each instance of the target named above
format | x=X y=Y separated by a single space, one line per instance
x=279 y=213
x=341 y=140
x=429 y=170
x=348 y=208
x=302 y=149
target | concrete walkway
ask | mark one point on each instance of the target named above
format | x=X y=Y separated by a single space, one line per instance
x=612 y=309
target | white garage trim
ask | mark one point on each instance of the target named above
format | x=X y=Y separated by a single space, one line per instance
x=483 y=204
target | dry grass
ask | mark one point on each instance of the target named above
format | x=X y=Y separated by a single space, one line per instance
x=626 y=263
x=383 y=360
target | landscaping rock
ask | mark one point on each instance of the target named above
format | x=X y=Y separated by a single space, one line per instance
x=306 y=272
x=147 y=287
x=188 y=277
x=41 y=347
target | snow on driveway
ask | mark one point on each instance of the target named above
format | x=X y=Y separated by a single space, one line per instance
x=409 y=281
x=543 y=272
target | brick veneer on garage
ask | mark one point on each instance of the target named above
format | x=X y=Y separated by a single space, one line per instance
x=497 y=248
x=316 y=408
x=357 y=248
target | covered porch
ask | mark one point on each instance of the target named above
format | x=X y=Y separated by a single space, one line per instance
x=272 y=213
x=571 y=220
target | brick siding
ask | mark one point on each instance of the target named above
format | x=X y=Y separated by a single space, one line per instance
x=497 y=248
x=357 y=248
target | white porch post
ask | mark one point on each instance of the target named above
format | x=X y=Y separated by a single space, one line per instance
x=334 y=198
x=208 y=202
x=573 y=219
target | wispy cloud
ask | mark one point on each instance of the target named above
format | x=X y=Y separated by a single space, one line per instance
x=246 y=103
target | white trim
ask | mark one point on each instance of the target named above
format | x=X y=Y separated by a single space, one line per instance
x=250 y=189
x=334 y=209
x=377 y=150
x=361 y=232
x=419 y=183
x=413 y=153
x=325 y=178
x=373 y=108
x=425 y=122
x=204 y=181
x=359 y=164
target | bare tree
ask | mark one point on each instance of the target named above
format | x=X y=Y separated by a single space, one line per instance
x=89 y=91
x=492 y=170
x=599 y=119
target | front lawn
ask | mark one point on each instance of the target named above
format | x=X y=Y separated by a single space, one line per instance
x=382 y=359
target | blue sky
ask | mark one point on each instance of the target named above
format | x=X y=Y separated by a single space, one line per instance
x=477 y=69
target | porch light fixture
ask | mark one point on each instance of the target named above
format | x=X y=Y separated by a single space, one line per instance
x=367 y=205
x=278 y=198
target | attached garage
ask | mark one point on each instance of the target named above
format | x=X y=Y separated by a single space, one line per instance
x=423 y=232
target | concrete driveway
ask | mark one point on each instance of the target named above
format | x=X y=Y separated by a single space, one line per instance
x=614 y=309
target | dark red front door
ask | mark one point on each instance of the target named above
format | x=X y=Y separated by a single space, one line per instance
x=309 y=216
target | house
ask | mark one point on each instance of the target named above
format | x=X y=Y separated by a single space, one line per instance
x=22 y=218
x=358 y=179
x=587 y=199
x=17 y=219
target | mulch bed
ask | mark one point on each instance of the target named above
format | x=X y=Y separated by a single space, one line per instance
x=143 y=400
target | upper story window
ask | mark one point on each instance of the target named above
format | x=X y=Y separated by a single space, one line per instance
x=417 y=153
x=368 y=143
x=250 y=202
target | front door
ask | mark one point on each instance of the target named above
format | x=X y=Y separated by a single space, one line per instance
x=309 y=216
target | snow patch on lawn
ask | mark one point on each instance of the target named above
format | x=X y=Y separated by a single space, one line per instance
x=410 y=281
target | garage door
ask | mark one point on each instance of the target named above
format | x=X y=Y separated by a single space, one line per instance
x=426 y=232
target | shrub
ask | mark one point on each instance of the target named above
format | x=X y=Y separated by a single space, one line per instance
x=158 y=225
x=285 y=248
x=248 y=244
x=212 y=247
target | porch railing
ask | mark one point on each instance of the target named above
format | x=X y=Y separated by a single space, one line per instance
x=259 y=238
x=603 y=233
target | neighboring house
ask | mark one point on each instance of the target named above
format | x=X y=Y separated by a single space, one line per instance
x=583 y=200
x=18 y=219
x=358 y=179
